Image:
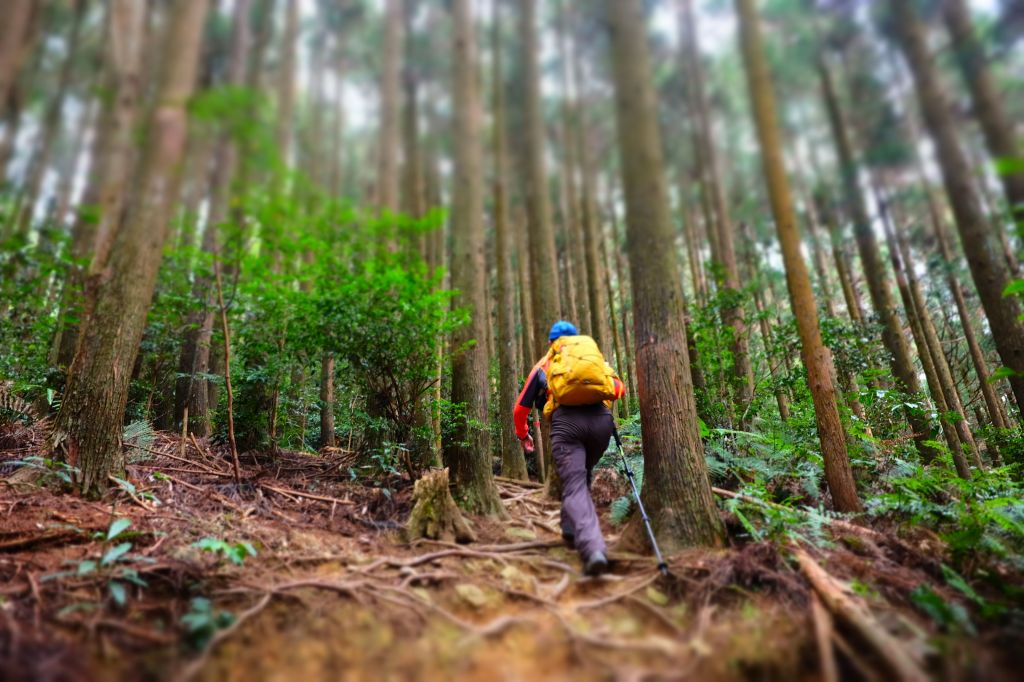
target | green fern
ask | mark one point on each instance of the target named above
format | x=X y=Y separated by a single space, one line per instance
x=139 y=436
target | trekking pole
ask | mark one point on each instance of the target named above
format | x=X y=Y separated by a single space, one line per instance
x=662 y=566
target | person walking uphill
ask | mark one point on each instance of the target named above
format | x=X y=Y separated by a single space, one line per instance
x=574 y=386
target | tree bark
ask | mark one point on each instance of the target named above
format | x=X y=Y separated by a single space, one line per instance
x=676 y=491
x=871 y=260
x=513 y=462
x=816 y=356
x=194 y=360
x=725 y=255
x=49 y=130
x=988 y=392
x=545 y=290
x=988 y=107
x=988 y=268
x=386 y=189
x=87 y=431
x=13 y=40
x=468 y=455
x=935 y=387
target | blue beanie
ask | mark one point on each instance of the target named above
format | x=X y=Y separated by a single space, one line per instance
x=562 y=328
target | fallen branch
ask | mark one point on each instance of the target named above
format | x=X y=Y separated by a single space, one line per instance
x=857 y=616
x=823 y=634
x=321 y=498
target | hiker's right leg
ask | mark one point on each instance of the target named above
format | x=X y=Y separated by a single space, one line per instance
x=577 y=506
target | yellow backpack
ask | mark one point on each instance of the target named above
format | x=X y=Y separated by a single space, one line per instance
x=577 y=374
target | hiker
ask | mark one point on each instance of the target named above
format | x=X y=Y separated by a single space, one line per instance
x=578 y=404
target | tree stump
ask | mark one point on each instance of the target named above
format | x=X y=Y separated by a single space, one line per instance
x=435 y=514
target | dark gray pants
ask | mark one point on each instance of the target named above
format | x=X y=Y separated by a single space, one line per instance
x=579 y=436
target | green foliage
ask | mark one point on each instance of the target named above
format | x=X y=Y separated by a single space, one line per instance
x=49 y=470
x=976 y=517
x=115 y=566
x=203 y=621
x=236 y=552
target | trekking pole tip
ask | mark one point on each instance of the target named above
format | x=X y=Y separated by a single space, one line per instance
x=663 y=567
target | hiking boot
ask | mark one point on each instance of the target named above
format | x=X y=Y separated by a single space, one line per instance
x=568 y=535
x=595 y=565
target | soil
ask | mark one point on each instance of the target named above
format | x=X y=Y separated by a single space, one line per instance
x=333 y=591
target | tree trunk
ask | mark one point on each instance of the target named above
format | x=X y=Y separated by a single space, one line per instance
x=943 y=371
x=992 y=402
x=87 y=431
x=49 y=130
x=914 y=316
x=732 y=307
x=676 y=491
x=327 y=400
x=513 y=462
x=990 y=272
x=468 y=455
x=194 y=360
x=543 y=255
x=871 y=260
x=286 y=81
x=386 y=188
x=13 y=40
x=988 y=108
x=817 y=358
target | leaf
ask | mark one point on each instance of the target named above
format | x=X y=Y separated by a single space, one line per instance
x=1001 y=373
x=86 y=567
x=1014 y=287
x=115 y=553
x=1009 y=165
x=125 y=485
x=117 y=592
x=117 y=527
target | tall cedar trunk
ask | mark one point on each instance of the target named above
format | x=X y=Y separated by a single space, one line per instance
x=13 y=40
x=871 y=260
x=770 y=351
x=732 y=300
x=545 y=291
x=87 y=431
x=590 y=217
x=49 y=130
x=513 y=462
x=327 y=400
x=194 y=361
x=468 y=454
x=622 y=406
x=988 y=108
x=942 y=368
x=571 y=121
x=989 y=269
x=676 y=491
x=386 y=188
x=914 y=317
x=542 y=255
x=818 y=253
x=816 y=356
x=992 y=403
x=286 y=81
x=112 y=156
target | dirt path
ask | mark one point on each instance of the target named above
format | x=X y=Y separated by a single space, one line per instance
x=511 y=607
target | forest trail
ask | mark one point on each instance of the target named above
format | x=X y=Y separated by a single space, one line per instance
x=511 y=606
x=333 y=590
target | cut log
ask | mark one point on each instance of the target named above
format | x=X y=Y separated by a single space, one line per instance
x=435 y=515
